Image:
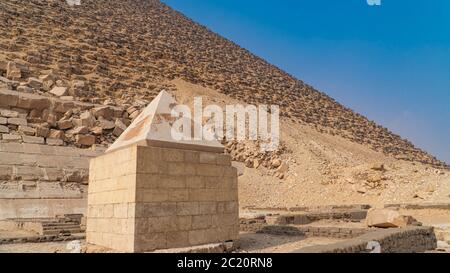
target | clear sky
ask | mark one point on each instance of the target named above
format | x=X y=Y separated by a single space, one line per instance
x=389 y=62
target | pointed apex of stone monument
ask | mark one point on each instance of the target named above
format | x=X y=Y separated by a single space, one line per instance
x=153 y=127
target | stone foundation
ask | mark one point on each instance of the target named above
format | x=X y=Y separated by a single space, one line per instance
x=146 y=198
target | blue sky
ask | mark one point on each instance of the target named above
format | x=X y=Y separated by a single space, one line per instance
x=389 y=62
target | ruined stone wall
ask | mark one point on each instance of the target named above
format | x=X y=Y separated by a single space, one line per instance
x=42 y=170
x=32 y=118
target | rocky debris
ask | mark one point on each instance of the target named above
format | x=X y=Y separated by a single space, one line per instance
x=78 y=88
x=76 y=176
x=26 y=130
x=102 y=65
x=24 y=89
x=97 y=130
x=4 y=129
x=59 y=91
x=9 y=114
x=17 y=121
x=282 y=170
x=425 y=193
x=385 y=218
x=378 y=167
x=249 y=153
x=33 y=139
x=11 y=138
x=79 y=130
x=13 y=71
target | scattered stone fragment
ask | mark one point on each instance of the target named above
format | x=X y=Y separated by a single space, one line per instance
x=11 y=138
x=65 y=124
x=17 y=121
x=87 y=119
x=119 y=128
x=24 y=89
x=52 y=120
x=58 y=134
x=283 y=168
x=13 y=71
x=9 y=114
x=103 y=111
x=256 y=163
x=76 y=176
x=34 y=83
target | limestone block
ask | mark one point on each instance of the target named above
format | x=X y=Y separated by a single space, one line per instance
x=54 y=142
x=177 y=239
x=32 y=101
x=162 y=198
x=8 y=99
x=59 y=91
x=9 y=114
x=18 y=121
x=87 y=140
x=195 y=182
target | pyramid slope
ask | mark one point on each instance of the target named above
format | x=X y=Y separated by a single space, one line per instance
x=134 y=48
x=153 y=127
